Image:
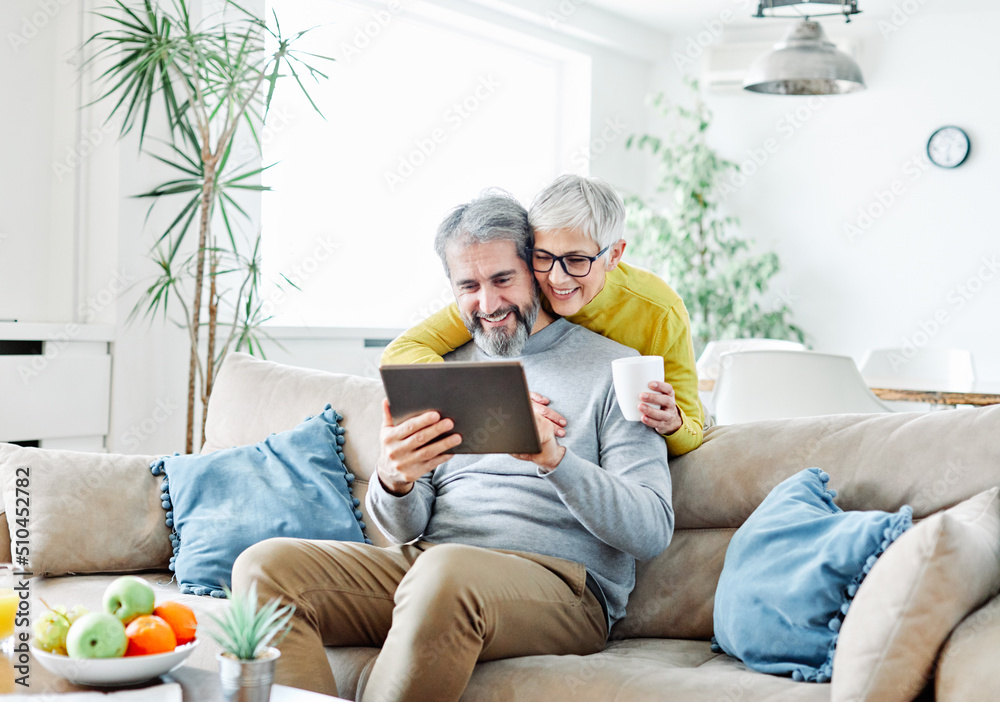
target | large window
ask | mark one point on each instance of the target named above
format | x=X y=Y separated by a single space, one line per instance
x=424 y=108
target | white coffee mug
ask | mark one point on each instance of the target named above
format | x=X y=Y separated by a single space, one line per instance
x=632 y=376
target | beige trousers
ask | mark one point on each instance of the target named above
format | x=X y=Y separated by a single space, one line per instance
x=435 y=610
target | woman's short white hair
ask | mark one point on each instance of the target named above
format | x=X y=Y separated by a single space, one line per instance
x=589 y=205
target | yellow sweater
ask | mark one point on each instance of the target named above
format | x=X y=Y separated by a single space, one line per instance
x=635 y=308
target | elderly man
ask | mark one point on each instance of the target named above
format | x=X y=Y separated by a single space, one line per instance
x=500 y=556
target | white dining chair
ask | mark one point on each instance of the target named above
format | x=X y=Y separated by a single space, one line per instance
x=945 y=370
x=775 y=384
x=709 y=363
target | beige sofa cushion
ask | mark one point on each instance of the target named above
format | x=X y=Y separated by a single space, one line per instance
x=928 y=460
x=966 y=667
x=88 y=512
x=917 y=592
x=639 y=670
x=253 y=398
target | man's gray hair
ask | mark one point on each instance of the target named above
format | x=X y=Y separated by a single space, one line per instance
x=493 y=216
x=589 y=205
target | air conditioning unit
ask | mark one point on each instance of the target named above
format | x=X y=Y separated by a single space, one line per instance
x=726 y=64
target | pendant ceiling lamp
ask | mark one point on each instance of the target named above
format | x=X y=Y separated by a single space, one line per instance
x=805 y=62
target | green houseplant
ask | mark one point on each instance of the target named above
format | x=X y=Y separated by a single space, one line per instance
x=692 y=245
x=248 y=635
x=211 y=79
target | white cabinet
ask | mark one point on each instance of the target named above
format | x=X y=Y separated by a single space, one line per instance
x=55 y=384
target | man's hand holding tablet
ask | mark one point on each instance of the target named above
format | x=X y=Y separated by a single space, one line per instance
x=412 y=449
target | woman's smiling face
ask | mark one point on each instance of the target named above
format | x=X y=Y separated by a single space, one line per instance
x=568 y=294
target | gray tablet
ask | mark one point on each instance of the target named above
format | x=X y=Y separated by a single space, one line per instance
x=488 y=402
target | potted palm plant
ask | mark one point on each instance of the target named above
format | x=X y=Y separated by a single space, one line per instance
x=249 y=636
x=213 y=79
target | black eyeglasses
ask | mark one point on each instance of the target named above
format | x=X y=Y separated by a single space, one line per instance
x=576 y=265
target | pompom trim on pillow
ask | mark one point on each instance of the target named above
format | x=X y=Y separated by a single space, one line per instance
x=902 y=520
x=157 y=467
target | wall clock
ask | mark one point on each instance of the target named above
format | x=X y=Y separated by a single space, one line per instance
x=948 y=147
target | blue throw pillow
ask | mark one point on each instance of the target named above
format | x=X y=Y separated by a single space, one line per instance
x=790 y=574
x=291 y=484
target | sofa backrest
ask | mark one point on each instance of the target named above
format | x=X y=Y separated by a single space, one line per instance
x=928 y=460
x=253 y=399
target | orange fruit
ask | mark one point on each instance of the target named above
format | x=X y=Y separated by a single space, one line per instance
x=149 y=634
x=180 y=618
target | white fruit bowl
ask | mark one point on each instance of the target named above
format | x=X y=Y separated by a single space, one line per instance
x=113 y=672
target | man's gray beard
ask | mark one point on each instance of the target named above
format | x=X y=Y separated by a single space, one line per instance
x=500 y=342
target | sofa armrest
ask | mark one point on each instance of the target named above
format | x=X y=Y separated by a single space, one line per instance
x=966 y=667
x=4 y=539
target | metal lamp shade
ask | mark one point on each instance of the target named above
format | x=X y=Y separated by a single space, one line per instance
x=805 y=62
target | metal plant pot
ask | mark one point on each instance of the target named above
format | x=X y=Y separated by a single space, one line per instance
x=247 y=681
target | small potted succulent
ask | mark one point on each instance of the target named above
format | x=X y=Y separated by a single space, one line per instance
x=248 y=636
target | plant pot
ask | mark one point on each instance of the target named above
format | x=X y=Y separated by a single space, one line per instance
x=247 y=681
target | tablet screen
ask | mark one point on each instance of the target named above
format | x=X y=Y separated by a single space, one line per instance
x=488 y=402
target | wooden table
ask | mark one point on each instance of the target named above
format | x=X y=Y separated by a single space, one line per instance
x=933 y=397
x=197 y=685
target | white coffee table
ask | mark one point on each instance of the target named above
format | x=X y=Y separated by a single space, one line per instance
x=196 y=685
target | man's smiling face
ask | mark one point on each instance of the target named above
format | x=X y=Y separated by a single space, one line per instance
x=496 y=294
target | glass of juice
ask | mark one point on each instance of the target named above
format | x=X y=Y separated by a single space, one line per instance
x=8 y=606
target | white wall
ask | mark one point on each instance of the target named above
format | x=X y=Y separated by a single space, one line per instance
x=623 y=54
x=74 y=249
x=833 y=159
x=26 y=237
x=74 y=245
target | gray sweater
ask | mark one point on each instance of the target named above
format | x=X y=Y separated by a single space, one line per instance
x=605 y=505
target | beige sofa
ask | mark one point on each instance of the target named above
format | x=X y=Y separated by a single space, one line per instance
x=95 y=515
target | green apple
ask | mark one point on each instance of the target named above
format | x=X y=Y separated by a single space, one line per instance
x=129 y=597
x=96 y=635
